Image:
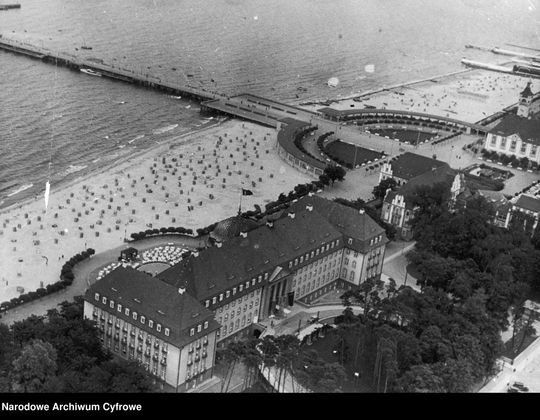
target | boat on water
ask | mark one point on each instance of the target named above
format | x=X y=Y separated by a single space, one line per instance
x=91 y=72
x=85 y=47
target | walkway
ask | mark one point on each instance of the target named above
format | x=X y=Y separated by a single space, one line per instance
x=85 y=275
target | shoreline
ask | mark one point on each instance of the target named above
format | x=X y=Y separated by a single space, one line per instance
x=68 y=181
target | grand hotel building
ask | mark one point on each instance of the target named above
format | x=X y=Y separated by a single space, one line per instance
x=252 y=270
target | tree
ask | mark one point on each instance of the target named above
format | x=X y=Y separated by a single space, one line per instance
x=335 y=173
x=379 y=191
x=420 y=378
x=34 y=368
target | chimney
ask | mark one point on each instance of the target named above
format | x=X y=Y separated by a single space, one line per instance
x=309 y=208
x=219 y=244
x=270 y=223
x=243 y=234
x=361 y=211
x=181 y=290
x=195 y=254
x=291 y=215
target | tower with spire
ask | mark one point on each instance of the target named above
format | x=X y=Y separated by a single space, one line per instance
x=529 y=103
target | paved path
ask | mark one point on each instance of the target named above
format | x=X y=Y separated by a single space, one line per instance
x=85 y=275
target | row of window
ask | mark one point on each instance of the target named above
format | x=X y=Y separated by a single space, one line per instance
x=375 y=240
x=134 y=315
x=240 y=288
x=199 y=327
x=513 y=145
x=235 y=325
x=314 y=253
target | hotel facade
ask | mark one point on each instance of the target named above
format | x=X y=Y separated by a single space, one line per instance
x=172 y=323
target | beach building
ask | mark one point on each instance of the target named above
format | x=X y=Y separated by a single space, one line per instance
x=297 y=254
x=518 y=134
x=528 y=207
x=398 y=208
x=407 y=166
x=167 y=330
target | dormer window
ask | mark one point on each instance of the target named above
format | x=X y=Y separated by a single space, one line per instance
x=214 y=300
x=96 y=296
x=253 y=282
x=167 y=331
x=199 y=328
x=119 y=308
x=151 y=323
x=111 y=304
x=220 y=297
x=247 y=284
x=234 y=290
x=158 y=327
x=135 y=316
x=266 y=276
x=192 y=332
x=207 y=303
x=104 y=300
x=241 y=287
x=227 y=293
x=143 y=319
x=127 y=311
x=350 y=241
x=205 y=325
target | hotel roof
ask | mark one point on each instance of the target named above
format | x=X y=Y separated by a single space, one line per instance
x=155 y=300
x=527 y=129
x=410 y=165
x=316 y=222
x=527 y=202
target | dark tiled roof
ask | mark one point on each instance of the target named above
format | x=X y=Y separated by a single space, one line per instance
x=217 y=269
x=410 y=165
x=528 y=203
x=443 y=174
x=527 y=129
x=350 y=222
x=156 y=300
x=232 y=227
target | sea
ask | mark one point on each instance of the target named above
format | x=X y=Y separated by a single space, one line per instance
x=57 y=124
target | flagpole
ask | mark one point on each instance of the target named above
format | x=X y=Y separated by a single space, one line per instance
x=240 y=205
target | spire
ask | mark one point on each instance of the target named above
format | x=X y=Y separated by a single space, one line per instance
x=527 y=92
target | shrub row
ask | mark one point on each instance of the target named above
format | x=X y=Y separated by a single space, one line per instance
x=162 y=231
x=66 y=279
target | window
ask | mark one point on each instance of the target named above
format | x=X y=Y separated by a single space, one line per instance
x=337 y=242
x=317 y=253
x=493 y=140
x=104 y=300
x=143 y=319
x=227 y=293
x=158 y=327
x=296 y=261
x=346 y=261
x=253 y=282
x=96 y=296
x=533 y=150
x=241 y=288
x=214 y=300
x=356 y=255
x=167 y=331
x=111 y=304
x=127 y=311
x=312 y=254
x=207 y=303
x=266 y=276
x=513 y=145
x=151 y=323
x=247 y=284
x=290 y=264
x=354 y=264
x=351 y=277
x=205 y=325
x=135 y=316
x=220 y=297
x=234 y=290
x=199 y=328
x=191 y=332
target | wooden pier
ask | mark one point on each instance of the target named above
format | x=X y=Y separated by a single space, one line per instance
x=110 y=71
x=9 y=6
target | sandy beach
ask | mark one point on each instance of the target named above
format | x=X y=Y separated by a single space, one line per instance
x=191 y=181
x=468 y=96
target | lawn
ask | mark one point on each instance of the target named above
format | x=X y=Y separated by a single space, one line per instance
x=404 y=135
x=348 y=152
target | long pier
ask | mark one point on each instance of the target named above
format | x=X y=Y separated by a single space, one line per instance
x=107 y=70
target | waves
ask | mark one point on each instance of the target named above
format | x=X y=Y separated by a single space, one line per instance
x=165 y=129
x=20 y=189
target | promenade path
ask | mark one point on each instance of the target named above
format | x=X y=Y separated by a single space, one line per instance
x=85 y=274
